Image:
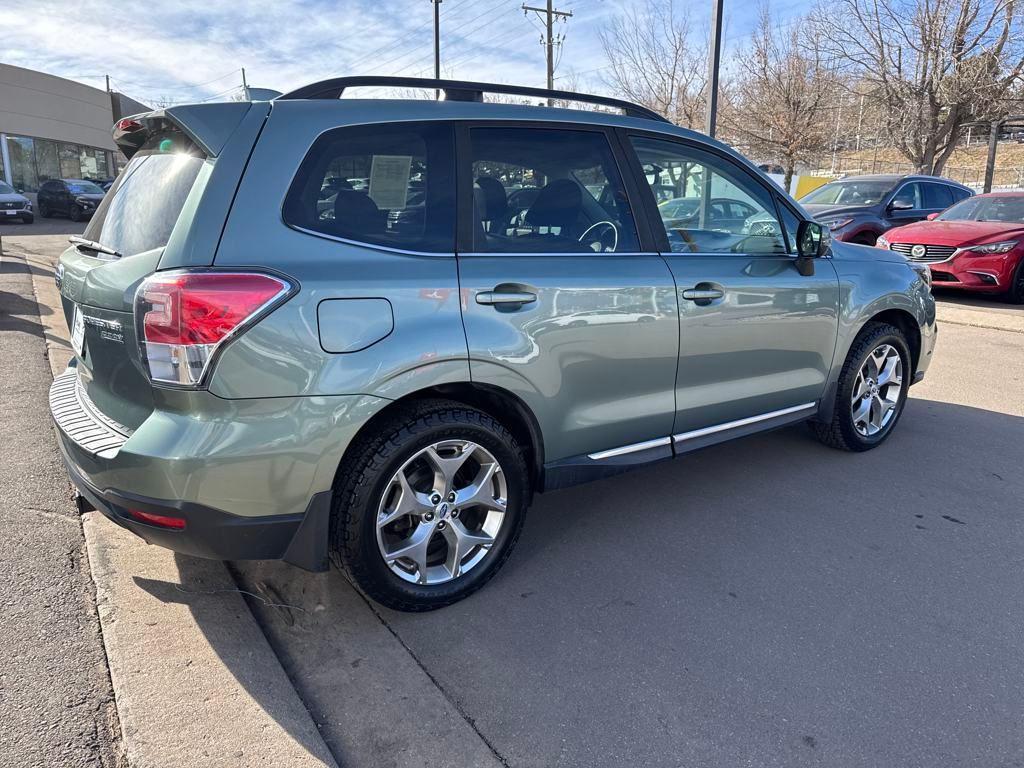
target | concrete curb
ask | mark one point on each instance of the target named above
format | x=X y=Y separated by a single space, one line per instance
x=994 y=318
x=194 y=677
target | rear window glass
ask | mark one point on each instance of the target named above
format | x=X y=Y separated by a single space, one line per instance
x=140 y=210
x=389 y=185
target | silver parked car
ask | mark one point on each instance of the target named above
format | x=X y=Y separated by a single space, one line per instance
x=371 y=330
x=14 y=206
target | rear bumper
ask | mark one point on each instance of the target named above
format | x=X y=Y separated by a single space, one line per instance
x=208 y=532
x=250 y=479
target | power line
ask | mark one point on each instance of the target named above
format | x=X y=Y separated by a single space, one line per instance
x=551 y=14
x=463 y=35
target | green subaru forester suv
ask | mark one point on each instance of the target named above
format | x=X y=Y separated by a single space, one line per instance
x=369 y=330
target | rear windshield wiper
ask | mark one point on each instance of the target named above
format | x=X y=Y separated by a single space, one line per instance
x=92 y=245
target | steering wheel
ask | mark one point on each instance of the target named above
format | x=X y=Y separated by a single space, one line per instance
x=597 y=235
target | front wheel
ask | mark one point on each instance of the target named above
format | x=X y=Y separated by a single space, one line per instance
x=75 y=213
x=1015 y=295
x=872 y=390
x=429 y=506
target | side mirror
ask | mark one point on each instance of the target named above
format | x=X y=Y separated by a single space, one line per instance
x=932 y=216
x=900 y=205
x=813 y=241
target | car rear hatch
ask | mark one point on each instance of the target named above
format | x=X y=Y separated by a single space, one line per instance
x=166 y=210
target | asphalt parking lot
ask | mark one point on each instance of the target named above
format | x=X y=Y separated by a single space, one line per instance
x=768 y=602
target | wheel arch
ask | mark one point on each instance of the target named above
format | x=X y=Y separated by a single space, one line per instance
x=498 y=403
x=901 y=318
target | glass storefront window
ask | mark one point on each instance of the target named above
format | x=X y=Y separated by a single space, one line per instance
x=47 y=160
x=102 y=167
x=70 y=165
x=23 y=166
x=87 y=157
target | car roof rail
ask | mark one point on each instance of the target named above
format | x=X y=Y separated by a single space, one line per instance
x=461 y=90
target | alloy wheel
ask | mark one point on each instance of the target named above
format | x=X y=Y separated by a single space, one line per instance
x=441 y=512
x=876 y=390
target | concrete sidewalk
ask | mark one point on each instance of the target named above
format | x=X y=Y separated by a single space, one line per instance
x=194 y=678
x=56 y=701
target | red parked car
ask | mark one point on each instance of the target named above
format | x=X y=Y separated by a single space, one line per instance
x=976 y=245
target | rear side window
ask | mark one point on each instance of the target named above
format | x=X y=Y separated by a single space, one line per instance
x=388 y=185
x=937 y=196
x=141 y=209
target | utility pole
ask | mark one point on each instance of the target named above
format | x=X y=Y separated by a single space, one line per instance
x=245 y=86
x=714 y=63
x=990 y=160
x=550 y=16
x=107 y=77
x=437 y=45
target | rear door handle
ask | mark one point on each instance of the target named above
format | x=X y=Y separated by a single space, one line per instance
x=505 y=297
x=702 y=294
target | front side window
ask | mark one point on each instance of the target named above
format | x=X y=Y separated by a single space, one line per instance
x=908 y=198
x=387 y=185
x=706 y=204
x=542 y=190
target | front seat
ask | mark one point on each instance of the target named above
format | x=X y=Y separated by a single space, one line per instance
x=559 y=204
x=494 y=213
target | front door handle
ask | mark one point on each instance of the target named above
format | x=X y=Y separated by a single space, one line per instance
x=505 y=297
x=702 y=294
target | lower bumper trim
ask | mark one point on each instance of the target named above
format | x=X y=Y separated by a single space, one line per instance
x=215 y=534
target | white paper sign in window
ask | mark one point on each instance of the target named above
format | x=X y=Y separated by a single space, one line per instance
x=389 y=180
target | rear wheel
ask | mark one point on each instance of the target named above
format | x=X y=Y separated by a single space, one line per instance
x=44 y=211
x=872 y=390
x=75 y=213
x=430 y=506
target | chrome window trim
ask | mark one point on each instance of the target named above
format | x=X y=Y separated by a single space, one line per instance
x=375 y=246
x=550 y=254
x=693 y=434
x=633 y=448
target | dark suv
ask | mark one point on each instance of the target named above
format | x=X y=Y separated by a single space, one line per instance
x=75 y=198
x=860 y=208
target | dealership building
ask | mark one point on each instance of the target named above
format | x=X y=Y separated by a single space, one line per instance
x=52 y=128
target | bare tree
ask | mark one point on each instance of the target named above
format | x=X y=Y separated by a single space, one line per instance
x=932 y=65
x=781 y=95
x=653 y=61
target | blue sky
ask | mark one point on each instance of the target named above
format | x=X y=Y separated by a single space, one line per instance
x=189 y=50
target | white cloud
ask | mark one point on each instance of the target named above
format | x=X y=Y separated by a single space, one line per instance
x=193 y=49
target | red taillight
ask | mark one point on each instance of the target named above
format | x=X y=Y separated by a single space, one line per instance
x=183 y=316
x=127 y=125
x=161 y=521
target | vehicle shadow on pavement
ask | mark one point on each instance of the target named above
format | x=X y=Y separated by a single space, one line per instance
x=768 y=601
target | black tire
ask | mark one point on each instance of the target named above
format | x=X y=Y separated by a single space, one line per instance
x=44 y=212
x=1015 y=295
x=840 y=432
x=75 y=213
x=365 y=475
x=27 y=219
